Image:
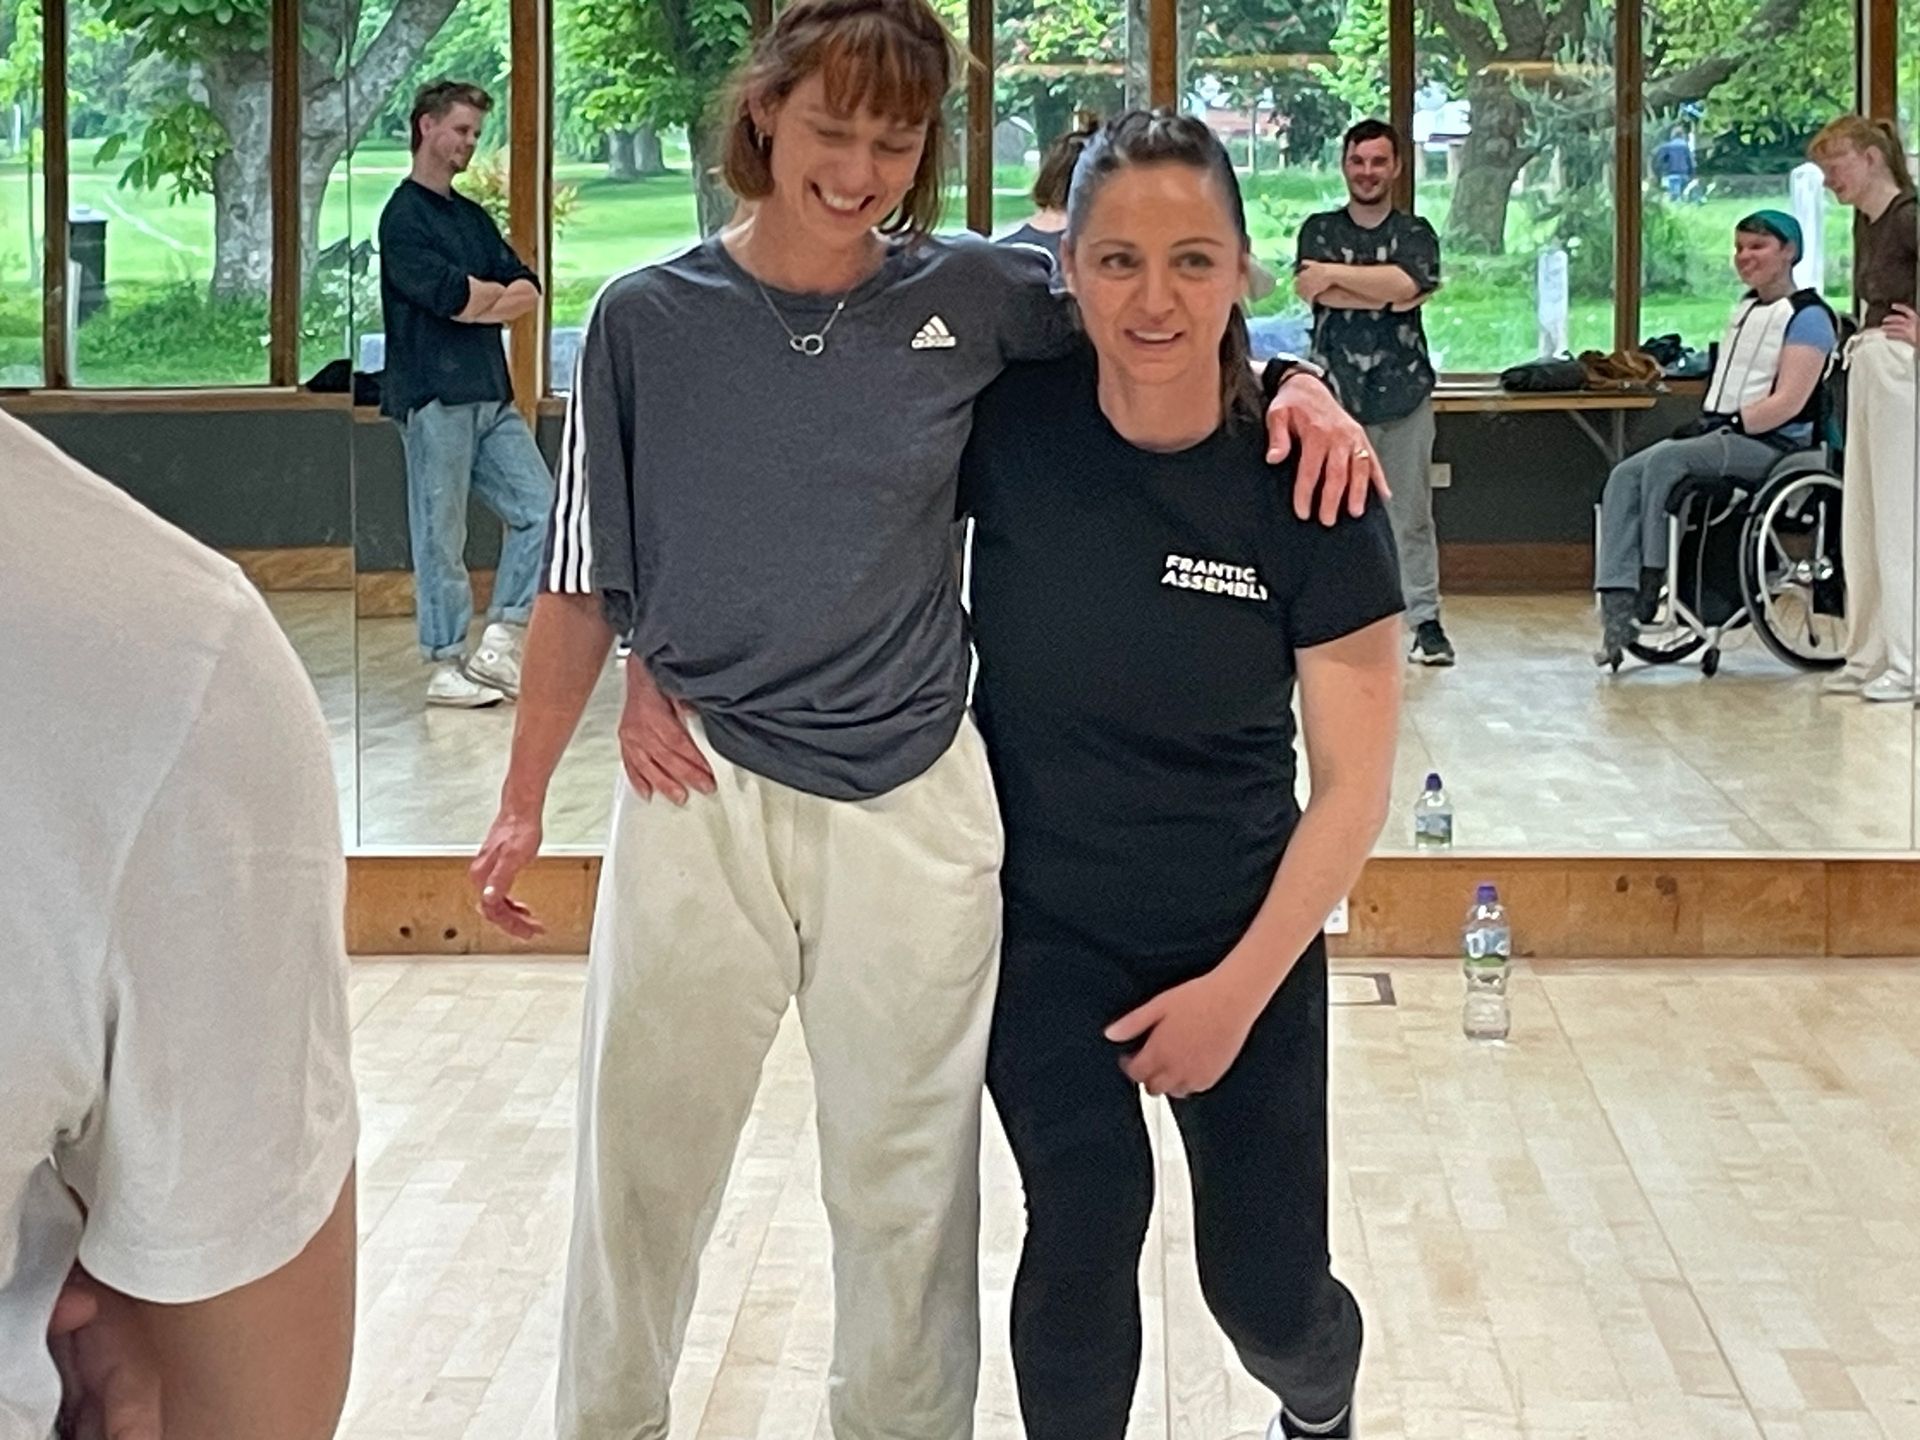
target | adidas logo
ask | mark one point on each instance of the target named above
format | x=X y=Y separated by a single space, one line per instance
x=934 y=335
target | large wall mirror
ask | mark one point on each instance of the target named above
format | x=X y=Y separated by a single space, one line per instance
x=190 y=301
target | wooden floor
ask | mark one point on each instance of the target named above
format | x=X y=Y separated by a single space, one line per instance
x=1683 y=1202
x=1540 y=750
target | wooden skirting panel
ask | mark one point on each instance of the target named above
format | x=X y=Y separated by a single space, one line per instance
x=1404 y=907
x=300 y=567
x=1515 y=567
x=388 y=594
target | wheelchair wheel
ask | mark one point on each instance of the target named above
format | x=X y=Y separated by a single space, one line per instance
x=1790 y=571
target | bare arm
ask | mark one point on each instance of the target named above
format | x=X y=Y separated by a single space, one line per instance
x=567 y=645
x=1350 y=713
x=1350 y=693
x=1337 y=297
x=482 y=297
x=1801 y=367
x=270 y=1360
x=1374 y=287
x=516 y=300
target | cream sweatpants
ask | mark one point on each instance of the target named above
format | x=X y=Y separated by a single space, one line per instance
x=1877 y=534
x=881 y=918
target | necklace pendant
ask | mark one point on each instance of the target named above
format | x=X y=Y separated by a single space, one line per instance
x=810 y=345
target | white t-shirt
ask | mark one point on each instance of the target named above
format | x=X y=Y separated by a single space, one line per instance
x=173 y=1021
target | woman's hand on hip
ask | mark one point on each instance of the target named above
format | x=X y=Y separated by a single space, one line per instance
x=109 y=1374
x=1193 y=1032
x=1334 y=454
x=511 y=843
x=656 y=748
x=1903 y=324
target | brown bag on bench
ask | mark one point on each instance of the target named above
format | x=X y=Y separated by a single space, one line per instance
x=1622 y=370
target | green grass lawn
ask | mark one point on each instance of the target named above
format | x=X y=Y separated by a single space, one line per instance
x=160 y=254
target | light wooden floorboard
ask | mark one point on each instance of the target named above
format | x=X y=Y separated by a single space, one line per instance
x=1684 y=1201
x=1540 y=750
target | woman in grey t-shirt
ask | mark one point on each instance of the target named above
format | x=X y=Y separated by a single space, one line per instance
x=757 y=487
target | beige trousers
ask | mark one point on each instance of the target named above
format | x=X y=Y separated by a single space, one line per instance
x=881 y=918
x=1877 y=535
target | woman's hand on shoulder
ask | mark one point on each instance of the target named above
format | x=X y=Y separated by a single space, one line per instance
x=1334 y=457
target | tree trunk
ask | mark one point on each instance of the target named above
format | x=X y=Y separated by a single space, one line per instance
x=715 y=203
x=1052 y=118
x=1493 y=158
x=621 y=164
x=649 y=157
x=239 y=94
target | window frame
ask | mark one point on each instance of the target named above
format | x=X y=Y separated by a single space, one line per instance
x=531 y=159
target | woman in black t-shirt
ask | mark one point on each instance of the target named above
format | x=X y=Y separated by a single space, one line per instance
x=1045 y=227
x=1144 y=598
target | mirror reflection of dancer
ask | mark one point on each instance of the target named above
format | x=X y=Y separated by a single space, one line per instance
x=1865 y=166
x=448 y=283
x=1144 y=602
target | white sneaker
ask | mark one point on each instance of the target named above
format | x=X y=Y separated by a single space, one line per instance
x=1846 y=682
x=1342 y=1426
x=496 y=663
x=1889 y=690
x=451 y=687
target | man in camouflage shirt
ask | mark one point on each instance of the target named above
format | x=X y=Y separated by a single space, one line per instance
x=1367 y=269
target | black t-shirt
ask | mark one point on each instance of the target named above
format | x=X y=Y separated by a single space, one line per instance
x=1377 y=357
x=1037 y=239
x=429 y=245
x=1136 y=617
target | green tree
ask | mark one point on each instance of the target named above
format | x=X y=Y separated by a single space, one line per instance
x=211 y=135
x=698 y=42
x=1053 y=57
x=1260 y=52
x=1514 y=58
x=608 y=91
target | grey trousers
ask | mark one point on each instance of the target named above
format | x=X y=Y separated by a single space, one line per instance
x=1633 y=507
x=1405 y=448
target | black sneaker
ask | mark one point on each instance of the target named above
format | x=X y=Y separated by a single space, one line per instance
x=1430 y=645
x=1285 y=1427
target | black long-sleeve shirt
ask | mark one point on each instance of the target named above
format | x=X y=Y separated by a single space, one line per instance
x=430 y=244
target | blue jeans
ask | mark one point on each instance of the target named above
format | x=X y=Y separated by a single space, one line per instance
x=1633 y=508
x=486 y=449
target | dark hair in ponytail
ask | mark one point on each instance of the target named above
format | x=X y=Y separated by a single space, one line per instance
x=1056 y=166
x=1162 y=137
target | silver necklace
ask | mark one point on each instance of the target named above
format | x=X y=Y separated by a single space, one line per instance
x=813 y=343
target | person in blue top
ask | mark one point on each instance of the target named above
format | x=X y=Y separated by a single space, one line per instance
x=1759 y=404
x=1673 y=164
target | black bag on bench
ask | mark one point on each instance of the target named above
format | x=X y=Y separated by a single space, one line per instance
x=1553 y=373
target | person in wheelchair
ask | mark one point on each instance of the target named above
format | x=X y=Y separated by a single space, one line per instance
x=1760 y=404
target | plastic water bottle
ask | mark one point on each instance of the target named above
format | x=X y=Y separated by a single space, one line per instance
x=1487 y=944
x=1433 y=817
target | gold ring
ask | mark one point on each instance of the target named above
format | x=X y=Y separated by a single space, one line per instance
x=489 y=891
x=1362 y=454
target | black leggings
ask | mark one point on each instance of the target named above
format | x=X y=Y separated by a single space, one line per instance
x=1257 y=1148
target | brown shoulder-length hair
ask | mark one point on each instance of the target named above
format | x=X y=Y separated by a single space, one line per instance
x=892 y=58
x=1050 y=186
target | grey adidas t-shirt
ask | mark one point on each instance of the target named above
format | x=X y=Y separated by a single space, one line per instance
x=774 y=529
